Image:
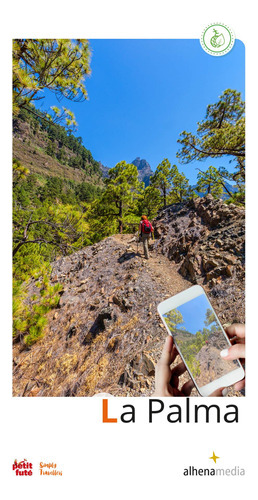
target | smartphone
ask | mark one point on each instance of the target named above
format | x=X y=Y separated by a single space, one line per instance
x=199 y=338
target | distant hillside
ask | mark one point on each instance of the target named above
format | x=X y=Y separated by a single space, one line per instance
x=182 y=335
x=225 y=194
x=49 y=150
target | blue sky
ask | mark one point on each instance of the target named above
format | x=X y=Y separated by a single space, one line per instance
x=193 y=313
x=143 y=93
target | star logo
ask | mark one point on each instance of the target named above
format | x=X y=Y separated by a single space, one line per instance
x=214 y=457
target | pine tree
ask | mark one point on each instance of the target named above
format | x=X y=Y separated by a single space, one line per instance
x=209 y=317
x=222 y=133
x=122 y=193
x=173 y=318
x=162 y=178
x=150 y=202
x=59 y=65
x=180 y=186
x=209 y=182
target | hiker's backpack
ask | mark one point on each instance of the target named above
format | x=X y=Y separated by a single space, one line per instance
x=146 y=227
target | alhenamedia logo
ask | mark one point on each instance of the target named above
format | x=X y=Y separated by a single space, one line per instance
x=22 y=468
x=217 y=39
x=214 y=471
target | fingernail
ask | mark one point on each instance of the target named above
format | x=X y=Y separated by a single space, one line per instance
x=224 y=353
x=225 y=392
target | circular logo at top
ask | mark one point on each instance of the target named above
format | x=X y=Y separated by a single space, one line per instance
x=217 y=39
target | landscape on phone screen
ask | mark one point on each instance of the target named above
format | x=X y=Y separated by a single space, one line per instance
x=200 y=340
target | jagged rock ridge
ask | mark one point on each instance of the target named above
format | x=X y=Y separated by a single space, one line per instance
x=206 y=238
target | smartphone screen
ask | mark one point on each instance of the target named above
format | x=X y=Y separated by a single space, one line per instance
x=200 y=339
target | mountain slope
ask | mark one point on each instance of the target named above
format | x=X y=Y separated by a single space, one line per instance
x=106 y=335
x=48 y=150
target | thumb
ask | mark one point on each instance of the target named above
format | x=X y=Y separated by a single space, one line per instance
x=234 y=352
x=222 y=391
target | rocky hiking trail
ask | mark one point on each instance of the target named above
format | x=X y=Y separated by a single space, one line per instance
x=106 y=334
x=158 y=266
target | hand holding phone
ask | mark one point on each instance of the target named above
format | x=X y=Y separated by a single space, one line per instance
x=167 y=379
x=199 y=339
x=236 y=334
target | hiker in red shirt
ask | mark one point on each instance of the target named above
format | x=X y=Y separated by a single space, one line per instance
x=145 y=232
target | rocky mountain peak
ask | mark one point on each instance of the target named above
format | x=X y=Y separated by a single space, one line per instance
x=143 y=167
x=144 y=170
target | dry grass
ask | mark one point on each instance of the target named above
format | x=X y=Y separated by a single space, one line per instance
x=66 y=363
x=97 y=373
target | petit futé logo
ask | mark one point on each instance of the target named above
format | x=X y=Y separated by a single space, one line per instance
x=22 y=468
x=217 y=39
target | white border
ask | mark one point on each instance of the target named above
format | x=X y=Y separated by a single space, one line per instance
x=98 y=458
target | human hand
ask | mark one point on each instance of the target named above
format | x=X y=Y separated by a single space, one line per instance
x=167 y=379
x=236 y=334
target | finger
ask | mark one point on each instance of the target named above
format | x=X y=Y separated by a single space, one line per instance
x=175 y=348
x=234 y=352
x=239 y=385
x=162 y=371
x=174 y=354
x=174 y=382
x=179 y=369
x=236 y=329
x=222 y=391
x=187 y=388
x=165 y=358
x=177 y=393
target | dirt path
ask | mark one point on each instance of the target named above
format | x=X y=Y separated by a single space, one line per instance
x=169 y=281
x=160 y=268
